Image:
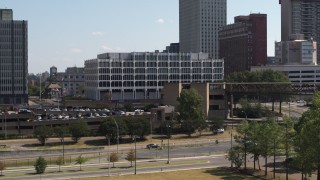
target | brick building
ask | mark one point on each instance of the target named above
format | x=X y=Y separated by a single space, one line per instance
x=244 y=43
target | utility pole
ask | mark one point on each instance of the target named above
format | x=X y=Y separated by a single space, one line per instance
x=135 y=155
x=168 y=129
x=117 y=134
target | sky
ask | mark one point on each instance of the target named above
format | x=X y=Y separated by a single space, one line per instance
x=65 y=33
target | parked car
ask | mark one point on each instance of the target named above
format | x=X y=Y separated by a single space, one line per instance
x=218 y=131
x=152 y=146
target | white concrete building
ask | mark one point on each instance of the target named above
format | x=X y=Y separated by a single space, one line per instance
x=137 y=76
x=296 y=73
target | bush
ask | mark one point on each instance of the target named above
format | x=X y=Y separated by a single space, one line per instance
x=40 y=165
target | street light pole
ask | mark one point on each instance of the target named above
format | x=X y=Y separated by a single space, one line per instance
x=135 y=155
x=108 y=156
x=245 y=146
x=117 y=134
x=168 y=128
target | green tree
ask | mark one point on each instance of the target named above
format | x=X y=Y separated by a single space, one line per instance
x=114 y=157
x=138 y=127
x=131 y=156
x=190 y=112
x=59 y=162
x=40 y=165
x=2 y=167
x=42 y=133
x=216 y=124
x=81 y=160
x=128 y=107
x=308 y=138
x=61 y=132
x=235 y=156
x=108 y=129
x=78 y=130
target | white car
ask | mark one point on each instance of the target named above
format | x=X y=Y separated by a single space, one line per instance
x=218 y=131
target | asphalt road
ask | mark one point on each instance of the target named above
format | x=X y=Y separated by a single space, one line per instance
x=161 y=166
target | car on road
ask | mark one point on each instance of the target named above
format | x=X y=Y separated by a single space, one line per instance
x=152 y=146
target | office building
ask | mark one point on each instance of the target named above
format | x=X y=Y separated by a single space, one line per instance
x=244 y=43
x=296 y=50
x=200 y=21
x=173 y=48
x=13 y=59
x=72 y=81
x=141 y=76
x=300 y=17
x=213 y=97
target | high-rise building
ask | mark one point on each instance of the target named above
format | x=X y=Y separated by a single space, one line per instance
x=301 y=17
x=13 y=59
x=200 y=21
x=244 y=43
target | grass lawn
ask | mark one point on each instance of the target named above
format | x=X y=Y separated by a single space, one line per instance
x=203 y=174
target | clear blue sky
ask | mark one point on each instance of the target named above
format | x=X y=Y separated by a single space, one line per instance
x=64 y=33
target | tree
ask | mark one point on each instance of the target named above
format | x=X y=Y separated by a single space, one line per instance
x=263 y=76
x=78 y=130
x=40 y=165
x=42 y=133
x=308 y=138
x=138 y=127
x=216 y=124
x=60 y=162
x=61 y=132
x=108 y=129
x=2 y=167
x=81 y=160
x=114 y=157
x=235 y=156
x=131 y=156
x=190 y=112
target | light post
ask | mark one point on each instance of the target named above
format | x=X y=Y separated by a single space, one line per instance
x=245 y=145
x=40 y=90
x=168 y=132
x=287 y=149
x=109 y=155
x=135 y=155
x=117 y=134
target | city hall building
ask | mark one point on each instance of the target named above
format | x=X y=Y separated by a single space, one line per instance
x=142 y=75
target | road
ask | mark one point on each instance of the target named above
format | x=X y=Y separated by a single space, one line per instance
x=124 y=168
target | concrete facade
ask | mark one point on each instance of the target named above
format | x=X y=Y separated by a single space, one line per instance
x=140 y=76
x=200 y=21
x=214 y=103
x=13 y=59
x=300 y=17
x=296 y=51
x=297 y=73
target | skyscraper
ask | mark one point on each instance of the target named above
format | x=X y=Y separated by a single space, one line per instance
x=200 y=21
x=301 y=17
x=13 y=59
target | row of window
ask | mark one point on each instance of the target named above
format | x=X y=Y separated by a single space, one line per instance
x=159 y=64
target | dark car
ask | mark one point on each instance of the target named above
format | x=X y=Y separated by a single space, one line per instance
x=151 y=146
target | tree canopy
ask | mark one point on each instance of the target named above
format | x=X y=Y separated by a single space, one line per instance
x=190 y=112
x=258 y=76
